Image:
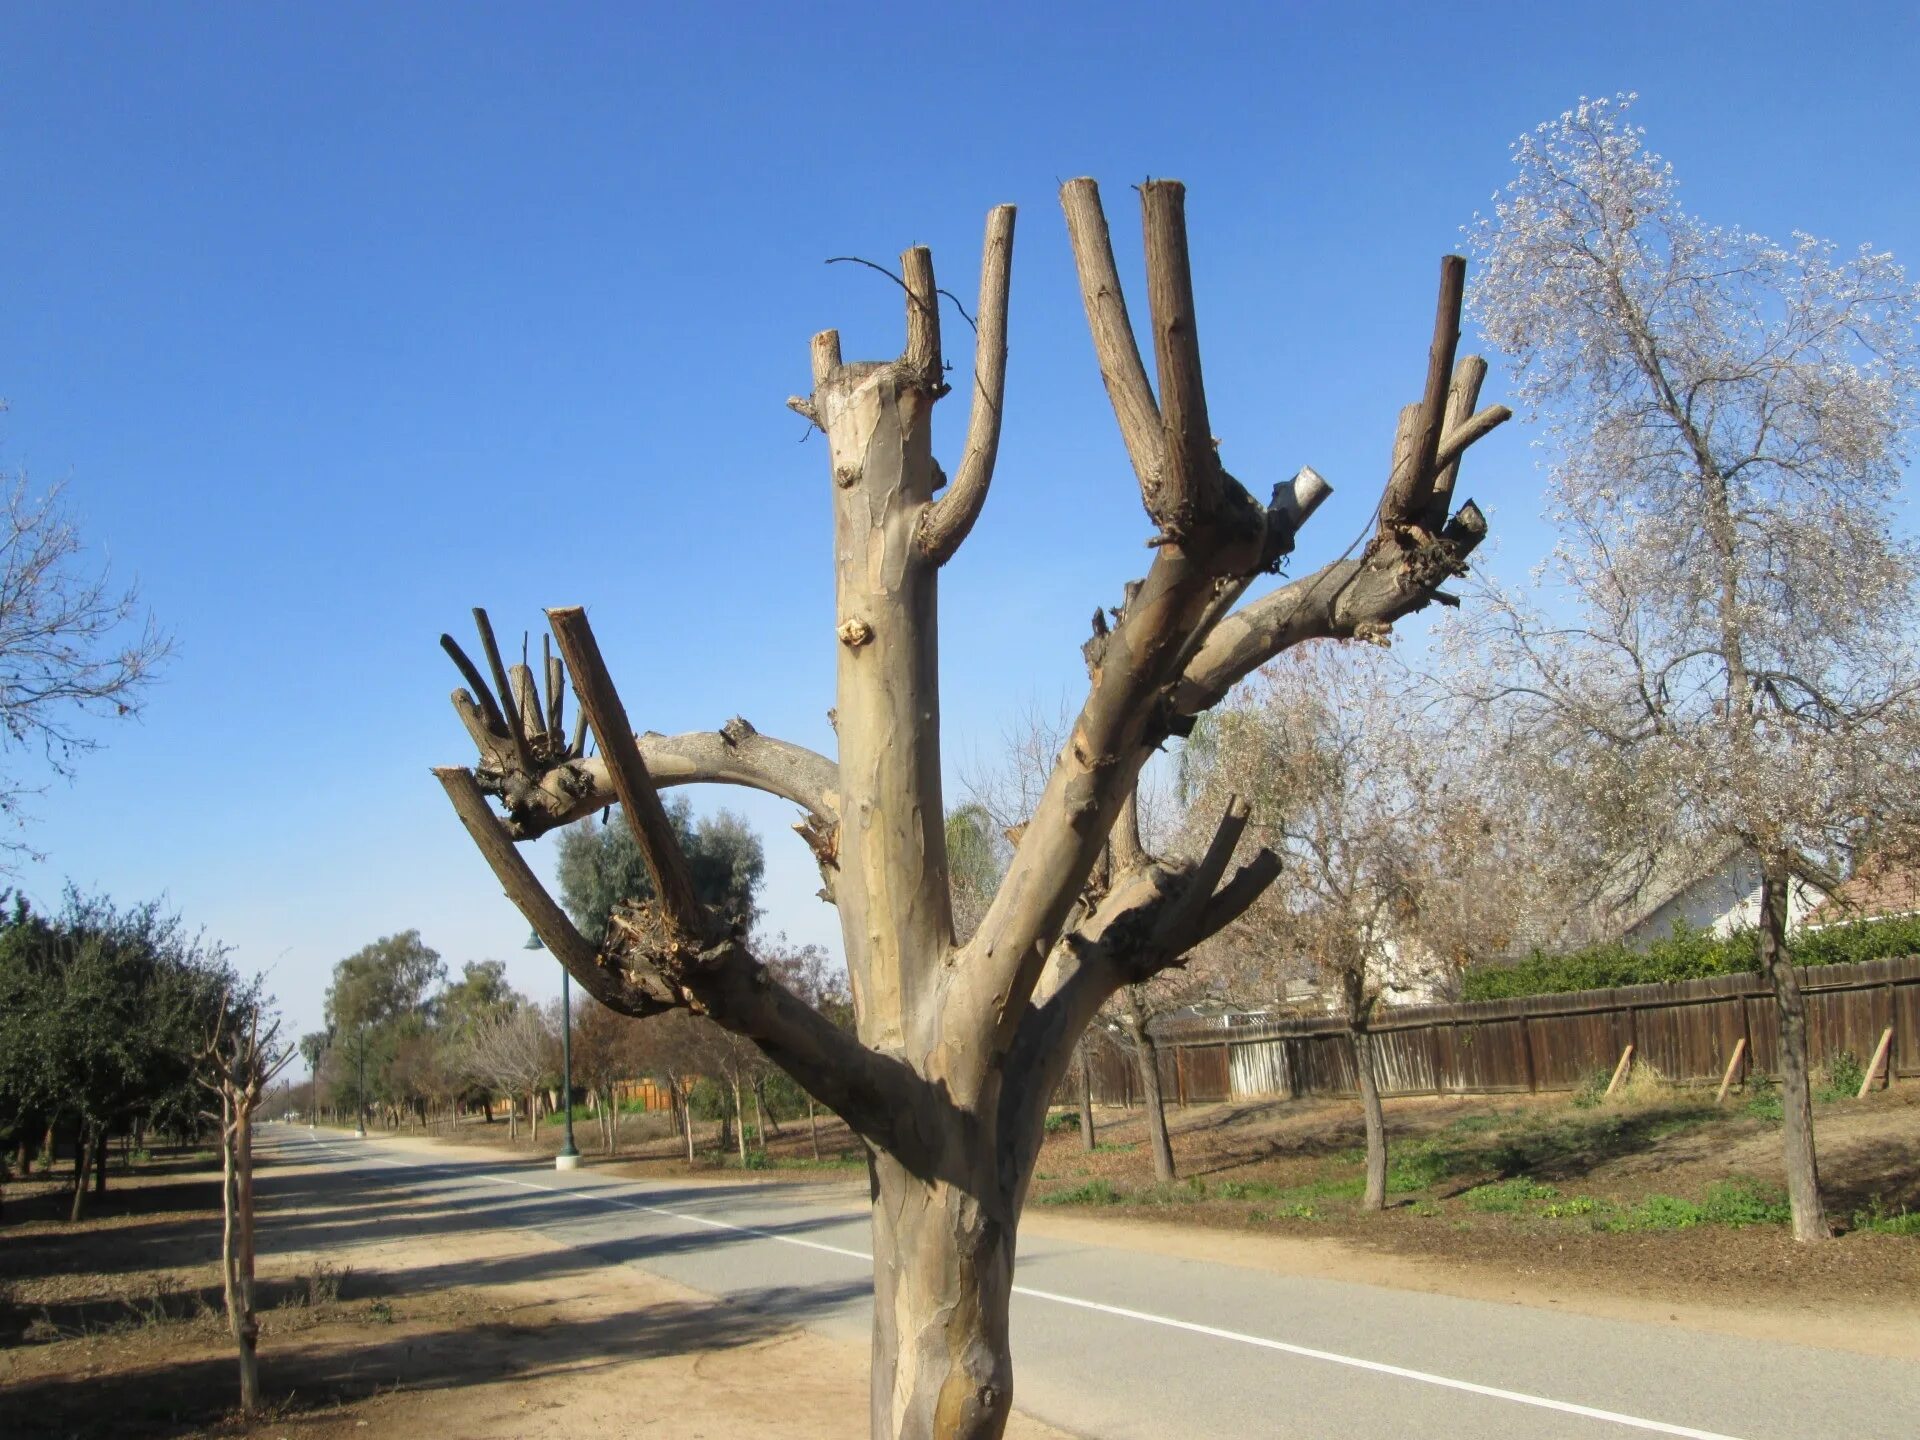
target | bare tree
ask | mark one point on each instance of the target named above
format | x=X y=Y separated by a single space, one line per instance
x=513 y=1052
x=242 y=1061
x=958 y=1048
x=814 y=978
x=71 y=644
x=1730 y=624
x=609 y=1049
x=1363 y=793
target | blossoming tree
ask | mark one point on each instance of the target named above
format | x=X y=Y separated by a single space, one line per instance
x=1728 y=637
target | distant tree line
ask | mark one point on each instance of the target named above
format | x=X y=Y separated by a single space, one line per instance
x=405 y=1045
x=104 y=1014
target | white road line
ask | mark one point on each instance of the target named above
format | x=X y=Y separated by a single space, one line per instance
x=1378 y=1367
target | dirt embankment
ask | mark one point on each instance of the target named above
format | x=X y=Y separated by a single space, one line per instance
x=1662 y=1208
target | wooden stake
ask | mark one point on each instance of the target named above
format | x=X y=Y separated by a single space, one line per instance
x=1726 y=1080
x=1874 y=1065
x=1619 y=1072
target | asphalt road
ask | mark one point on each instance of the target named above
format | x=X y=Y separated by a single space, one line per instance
x=1118 y=1344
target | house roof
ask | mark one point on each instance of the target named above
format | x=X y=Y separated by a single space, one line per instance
x=1883 y=885
x=1683 y=871
x=1680 y=871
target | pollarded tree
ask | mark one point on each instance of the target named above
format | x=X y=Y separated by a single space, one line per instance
x=959 y=1046
x=1730 y=623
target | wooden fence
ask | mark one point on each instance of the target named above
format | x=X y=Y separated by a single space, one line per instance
x=1687 y=1031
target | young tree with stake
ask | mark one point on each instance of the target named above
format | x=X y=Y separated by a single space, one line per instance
x=1727 y=418
x=958 y=1047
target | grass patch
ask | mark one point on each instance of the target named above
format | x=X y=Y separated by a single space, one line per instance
x=1474 y=1124
x=854 y=1160
x=1571 y=1207
x=1879 y=1221
x=1286 y=1212
x=1845 y=1074
x=1507 y=1196
x=1247 y=1190
x=1737 y=1203
x=1094 y=1192
x=1177 y=1192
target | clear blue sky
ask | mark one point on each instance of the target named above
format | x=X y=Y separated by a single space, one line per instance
x=340 y=319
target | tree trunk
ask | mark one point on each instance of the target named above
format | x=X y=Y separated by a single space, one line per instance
x=740 y=1124
x=943 y=1273
x=239 y=1255
x=1146 y=1058
x=813 y=1127
x=100 y=1163
x=1375 y=1195
x=81 y=1140
x=1796 y=1095
x=1084 y=1073
x=686 y=1121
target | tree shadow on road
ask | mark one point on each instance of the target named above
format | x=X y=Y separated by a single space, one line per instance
x=469 y=1342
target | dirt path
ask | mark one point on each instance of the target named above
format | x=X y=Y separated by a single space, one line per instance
x=396 y=1330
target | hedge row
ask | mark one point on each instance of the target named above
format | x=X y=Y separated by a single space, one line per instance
x=1685 y=955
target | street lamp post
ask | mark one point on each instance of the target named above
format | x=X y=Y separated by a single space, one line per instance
x=569 y=1156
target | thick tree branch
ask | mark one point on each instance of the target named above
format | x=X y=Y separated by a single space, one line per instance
x=1415 y=462
x=921 y=359
x=1348 y=599
x=612 y=987
x=734 y=755
x=687 y=919
x=563 y=785
x=1114 y=345
x=1191 y=490
x=1464 y=394
x=878 y=1096
x=516 y=725
x=946 y=523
